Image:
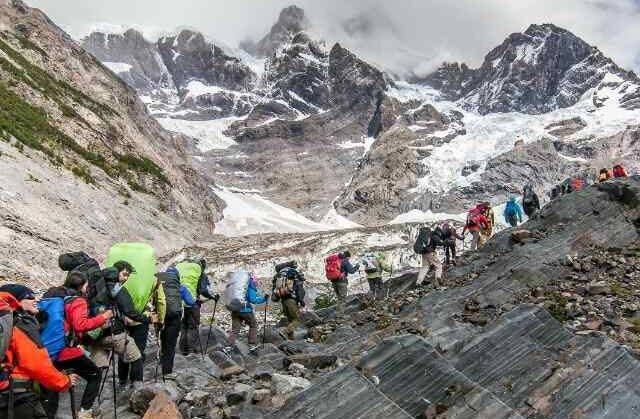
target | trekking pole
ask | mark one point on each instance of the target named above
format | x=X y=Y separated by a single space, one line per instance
x=158 y=352
x=106 y=376
x=264 y=325
x=72 y=396
x=206 y=346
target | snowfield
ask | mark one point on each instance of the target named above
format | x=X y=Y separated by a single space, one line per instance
x=118 y=68
x=210 y=134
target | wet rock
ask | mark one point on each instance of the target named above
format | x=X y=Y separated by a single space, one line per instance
x=311 y=360
x=141 y=398
x=598 y=288
x=310 y=319
x=519 y=236
x=261 y=395
x=162 y=407
x=231 y=371
x=263 y=374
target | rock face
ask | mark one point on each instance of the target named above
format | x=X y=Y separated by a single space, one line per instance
x=291 y=21
x=78 y=151
x=539 y=70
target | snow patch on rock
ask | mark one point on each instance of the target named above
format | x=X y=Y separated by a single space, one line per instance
x=209 y=133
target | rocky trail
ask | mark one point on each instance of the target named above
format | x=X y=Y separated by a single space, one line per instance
x=541 y=322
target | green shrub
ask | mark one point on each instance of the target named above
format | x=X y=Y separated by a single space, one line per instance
x=324 y=301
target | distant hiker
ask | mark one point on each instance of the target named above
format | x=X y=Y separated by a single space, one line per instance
x=240 y=293
x=512 y=212
x=487 y=231
x=113 y=336
x=619 y=171
x=194 y=278
x=25 y=360
x=175 y=294
x=337 y=269
x=604 y=175
x=139 y=295
x=288 y=288
x=449 y=236
x=576 y=184
x=62 y=333
x=476 y=221
x=425 y=245
x=530 y=201
x=375 y=264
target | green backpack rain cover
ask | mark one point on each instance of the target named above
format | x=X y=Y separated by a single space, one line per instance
x=189 y=276
x=141 y=283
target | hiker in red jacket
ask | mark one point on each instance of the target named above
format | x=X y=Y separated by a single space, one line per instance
x=619 y=171
x=476 y=222
x=74 y=357
x=26 y=359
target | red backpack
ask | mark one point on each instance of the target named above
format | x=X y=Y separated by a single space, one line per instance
x=6 y=331
x=332 y=267
x=618 y=171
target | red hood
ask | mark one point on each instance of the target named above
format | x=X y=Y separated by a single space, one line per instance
x=8 y=301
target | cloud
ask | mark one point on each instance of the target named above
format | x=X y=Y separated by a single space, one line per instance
x=401 y=36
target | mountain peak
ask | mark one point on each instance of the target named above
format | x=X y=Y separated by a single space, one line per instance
x=291 y=21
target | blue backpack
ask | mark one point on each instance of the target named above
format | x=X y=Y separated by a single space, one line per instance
x=52 y=335
x=511 y=210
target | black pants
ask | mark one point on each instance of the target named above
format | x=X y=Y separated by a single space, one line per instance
x=449 y=251
x=26 y=407
x=135 y=370
x=190 y=331
x=86 y=369
x=169 y=339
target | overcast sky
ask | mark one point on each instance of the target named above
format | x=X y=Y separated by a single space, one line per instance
x=404 y=35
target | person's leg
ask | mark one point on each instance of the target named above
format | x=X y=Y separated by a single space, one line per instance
x=85 y=368
x=424 y=269
x=49 y=403
x=453 y=252
x=236 y=325
x=139 y=333
x=194 y=330
x=447 y=246
x=434 y=260
x=293 y=315
x=26 y=408
x=250 y=319
x=475 y=239
x=340 y=294
x=169 y=339
x=184 y=330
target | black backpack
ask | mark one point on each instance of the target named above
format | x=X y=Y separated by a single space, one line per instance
x=80 y=263
x=171 y=287
x=422 y=241
x=437 y=238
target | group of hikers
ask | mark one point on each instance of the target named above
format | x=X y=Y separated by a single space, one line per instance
x=577 y=182
x=101 y=318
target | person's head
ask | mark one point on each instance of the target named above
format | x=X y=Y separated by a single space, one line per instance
x=124 y=270
x=25 y=296
x=346 y=254
x=203 y=264
x=603 y=171
x=253 y=280
x=76 y=281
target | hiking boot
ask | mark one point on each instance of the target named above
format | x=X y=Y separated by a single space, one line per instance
x=171 y=376
x=85 y=414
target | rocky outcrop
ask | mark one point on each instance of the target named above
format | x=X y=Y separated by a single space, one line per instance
x=84 y=165
x=542 y=69
x=291 y=21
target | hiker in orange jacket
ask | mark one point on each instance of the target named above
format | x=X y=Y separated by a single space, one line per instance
x=26 y=361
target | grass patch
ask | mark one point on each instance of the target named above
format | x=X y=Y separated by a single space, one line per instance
x=557 y=306
x=324 y=301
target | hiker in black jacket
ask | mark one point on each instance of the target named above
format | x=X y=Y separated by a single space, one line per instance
x=288 y=288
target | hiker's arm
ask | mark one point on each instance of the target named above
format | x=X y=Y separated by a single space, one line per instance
x=186 y=296
x=125 y=305
x=34 y=362
x=203 y=286
x=160 y=303
x=536 y=201
x=348 y=267
x=80 y=321
x=300 y=293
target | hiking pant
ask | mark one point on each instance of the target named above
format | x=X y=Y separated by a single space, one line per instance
x=290 y=309
x=237 y=319
x=85 y=368
x=24 y=407
x=135 y=370
x=341 y=289
x=190 y=330
x=485 y=235
x=168 y=340
x=428 y=260
x=513 y=221
x=375 y=286
x=122 y=344
x=449 y=251
x=475 y=241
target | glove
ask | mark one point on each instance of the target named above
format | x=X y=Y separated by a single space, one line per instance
x=216 y=297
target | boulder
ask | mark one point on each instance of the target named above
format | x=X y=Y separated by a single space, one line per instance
x=240 y=393
x=598 y=288
x=520 y=236
x=162 y=407
x=231 y=371
x=285 y=384
x=311 y=360
x=141 y=398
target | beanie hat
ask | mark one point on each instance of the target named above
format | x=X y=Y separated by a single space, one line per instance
x=20 y=292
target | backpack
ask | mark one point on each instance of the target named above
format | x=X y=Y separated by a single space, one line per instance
x=422 y=241
x=171 y=287
x=291 y=264
x=528 y=198
x=618 y=171
x=473 y=215
x=52 y=331
x=80 y=263
x=235 y=292
x=511 y=211
x=371 y=264
x=283 y=283
x=333 y=267
x=6 y=332
x=436 y=238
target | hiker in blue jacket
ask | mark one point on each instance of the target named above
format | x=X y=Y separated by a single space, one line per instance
x=513 y=212
x=246 y=315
